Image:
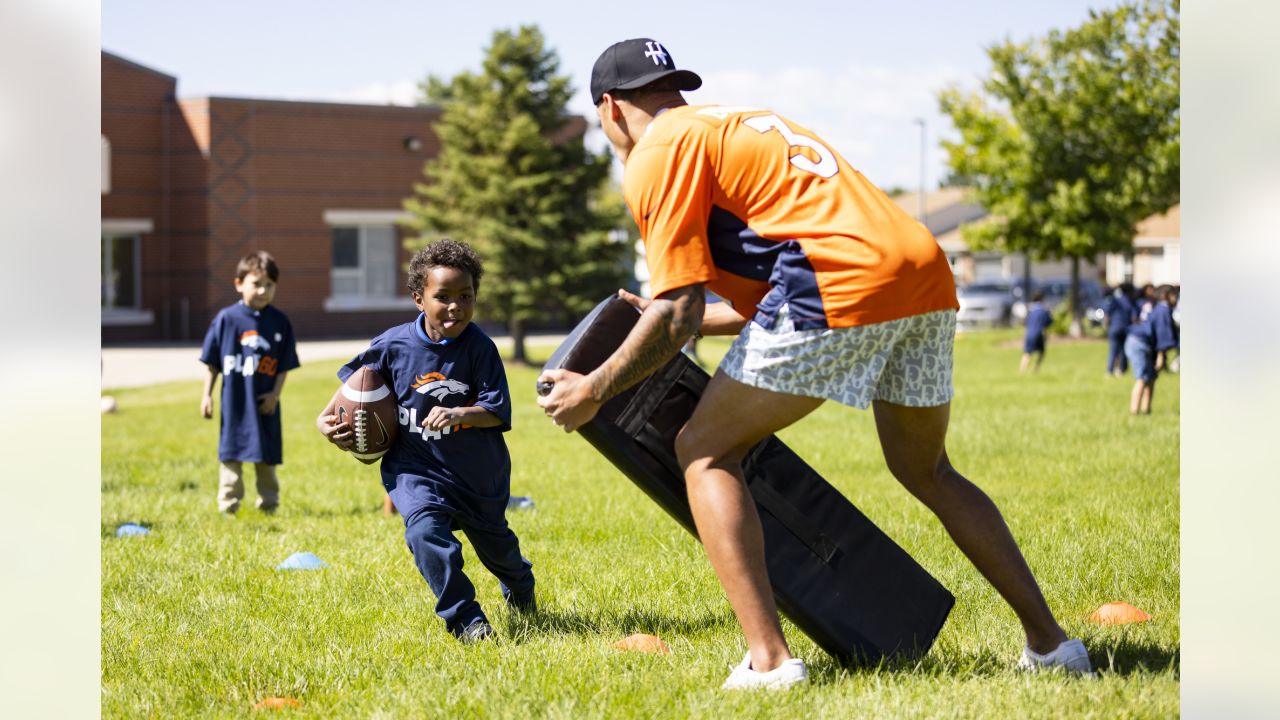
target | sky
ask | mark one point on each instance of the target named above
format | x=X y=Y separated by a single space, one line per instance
x=858 y=74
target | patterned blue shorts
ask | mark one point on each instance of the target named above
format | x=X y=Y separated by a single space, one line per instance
x=905 y=361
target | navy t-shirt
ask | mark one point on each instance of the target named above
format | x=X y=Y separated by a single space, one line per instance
x=1120 y=313
x=1038 y=318
x=461 y=469
x=1142 y=330
x=249 y=347
x=1145 y=305
x=1166 y=333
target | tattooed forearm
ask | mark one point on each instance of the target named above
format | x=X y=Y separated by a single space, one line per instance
x=663 y=329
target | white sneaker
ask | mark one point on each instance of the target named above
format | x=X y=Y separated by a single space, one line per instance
x=1070 y=656
x=785 y=675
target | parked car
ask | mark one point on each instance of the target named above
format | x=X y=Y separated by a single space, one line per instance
x=985 y=302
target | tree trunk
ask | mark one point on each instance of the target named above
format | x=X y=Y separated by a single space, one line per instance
x=1073 y=299
x=1027 y=290
x=516 y=326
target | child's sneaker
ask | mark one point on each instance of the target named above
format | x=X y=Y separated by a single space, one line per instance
x=785 y=675
x=1070 y=656
x=478 y=631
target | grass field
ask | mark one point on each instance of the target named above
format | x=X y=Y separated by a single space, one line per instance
x=197 y=622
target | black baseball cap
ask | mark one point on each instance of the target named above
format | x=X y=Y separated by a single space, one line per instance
x=635 y=63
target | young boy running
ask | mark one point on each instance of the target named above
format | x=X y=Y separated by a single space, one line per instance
x=449 y=467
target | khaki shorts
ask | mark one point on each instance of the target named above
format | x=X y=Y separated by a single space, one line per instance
x=905 y=361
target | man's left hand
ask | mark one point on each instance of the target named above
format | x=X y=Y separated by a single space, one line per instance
x=569 y=404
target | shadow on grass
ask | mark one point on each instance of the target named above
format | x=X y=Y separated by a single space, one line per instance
x=1119 y=657
x=573 y=622
x=354 y=511
x=1124 y=656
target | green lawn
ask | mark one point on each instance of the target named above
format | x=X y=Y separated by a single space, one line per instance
x=197 y=622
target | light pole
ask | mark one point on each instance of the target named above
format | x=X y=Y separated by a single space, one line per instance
x=923 y=217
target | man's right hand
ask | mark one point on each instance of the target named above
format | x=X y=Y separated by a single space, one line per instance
x=339 y=434
x=569 y=403
x=206 y=407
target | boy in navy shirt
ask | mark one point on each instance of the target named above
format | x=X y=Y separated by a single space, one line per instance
x=251 y=345
x=449 y=468
x=1038 y=320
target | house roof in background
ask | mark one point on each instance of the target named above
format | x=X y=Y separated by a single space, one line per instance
x=1165 y=225
x=948 y=209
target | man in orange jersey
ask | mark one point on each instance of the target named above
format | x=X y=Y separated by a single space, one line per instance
x=833 y=292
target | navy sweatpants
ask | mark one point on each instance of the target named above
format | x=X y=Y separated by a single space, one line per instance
x=438 y=555
x=1115 y=352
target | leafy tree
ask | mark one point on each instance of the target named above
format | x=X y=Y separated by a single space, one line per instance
x=1074 y=139
x=514 y=179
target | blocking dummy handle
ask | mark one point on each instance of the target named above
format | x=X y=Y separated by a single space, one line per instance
x=544 y=388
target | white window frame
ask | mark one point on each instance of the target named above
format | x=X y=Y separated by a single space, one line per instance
x=106 y=166
x=361 y=220
x=135 y=228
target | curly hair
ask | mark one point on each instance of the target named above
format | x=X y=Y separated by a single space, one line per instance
x=258 y=262
x=444 y=253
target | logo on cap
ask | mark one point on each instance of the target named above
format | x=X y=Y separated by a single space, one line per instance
x=654 y=49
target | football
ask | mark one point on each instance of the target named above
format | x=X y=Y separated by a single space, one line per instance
x=369 y=407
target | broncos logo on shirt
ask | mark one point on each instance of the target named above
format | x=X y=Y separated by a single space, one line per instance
x=255 y=342
x=438 y=386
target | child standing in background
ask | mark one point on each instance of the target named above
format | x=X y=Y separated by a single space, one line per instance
x=1038 y=320
x=251 y=345
x=1120 y=313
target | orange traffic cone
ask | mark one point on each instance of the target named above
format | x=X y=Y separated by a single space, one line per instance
x=643 y=643
x=277 y=703
x=1118 y=613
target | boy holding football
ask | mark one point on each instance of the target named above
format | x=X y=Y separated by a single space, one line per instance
x=448 y=467
x=251 y=344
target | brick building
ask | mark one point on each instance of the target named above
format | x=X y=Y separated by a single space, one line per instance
x=189 y=186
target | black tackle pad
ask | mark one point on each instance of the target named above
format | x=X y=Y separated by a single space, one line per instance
x=836 y=575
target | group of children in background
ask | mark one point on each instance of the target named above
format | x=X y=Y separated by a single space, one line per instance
x=1141 y=332
x=1144 y=330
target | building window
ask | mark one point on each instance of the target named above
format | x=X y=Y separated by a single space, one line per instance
x=121 y=272
x=106 y=165
x=364 y=262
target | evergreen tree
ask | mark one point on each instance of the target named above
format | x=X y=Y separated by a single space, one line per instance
x=514 y=179
x=1076 y=138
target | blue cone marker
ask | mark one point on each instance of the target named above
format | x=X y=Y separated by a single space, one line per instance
x=302 y=561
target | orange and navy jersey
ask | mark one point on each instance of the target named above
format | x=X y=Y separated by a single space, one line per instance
x=763 y=213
